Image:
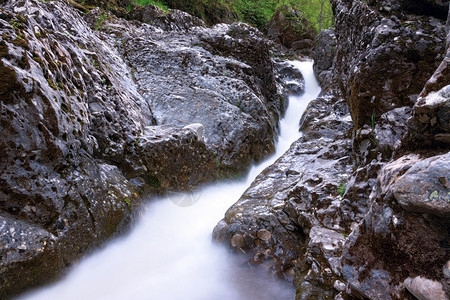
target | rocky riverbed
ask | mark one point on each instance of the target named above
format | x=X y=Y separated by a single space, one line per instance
x=97 y=112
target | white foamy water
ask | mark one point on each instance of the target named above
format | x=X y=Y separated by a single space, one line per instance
x=169 y=254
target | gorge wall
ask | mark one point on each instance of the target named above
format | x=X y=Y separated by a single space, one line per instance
x=97 y=113
x=359 y=205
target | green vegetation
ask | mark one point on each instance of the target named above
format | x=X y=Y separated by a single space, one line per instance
x=255 y=12
x=158 y=3
x=342 y=187
x=52 y=84
x=259 y=12
x=99 y=22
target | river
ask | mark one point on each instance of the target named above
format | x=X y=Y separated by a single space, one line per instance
x=169 y=254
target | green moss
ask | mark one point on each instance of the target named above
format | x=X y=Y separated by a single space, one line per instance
x=16 y=24
x=52 y=84
x=341 y=188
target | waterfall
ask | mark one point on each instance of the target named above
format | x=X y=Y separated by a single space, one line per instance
x=169 y=253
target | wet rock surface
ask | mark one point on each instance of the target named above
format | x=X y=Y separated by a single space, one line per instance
x=424 y=289
x=324 y=55
x=222 y=78
x=97 y=112
x=358 y=207
x=381 y=252
x=425 y=187
x=297 y=201
x=384 y=56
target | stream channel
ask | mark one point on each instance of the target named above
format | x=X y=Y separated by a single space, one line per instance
x=169 y=254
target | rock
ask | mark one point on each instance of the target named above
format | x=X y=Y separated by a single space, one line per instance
x=425 y=289
x=291 y=212
x=155 y=163
x=327 y=241
x=97 y=112
x=432 y=116
x=183 y=74
x=197 y=128
x=339 y=286
x=174 y=20
x=237 y=241
x=290 y=78
x=434 y=8
x=324 y=55
x=390 y=129
x=388 y=235
x=264 y=234
x=425 y=187
x=447 y=270
x=383 y=60
x=289 y=27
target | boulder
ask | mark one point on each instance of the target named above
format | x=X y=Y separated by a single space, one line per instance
x=425 y=187
x=222 y=78
x=425 y=289
x=323 y=55
x=391 y=243
x=171 y=21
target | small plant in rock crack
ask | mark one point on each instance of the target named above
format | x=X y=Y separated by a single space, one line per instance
x=99 y=21
x=372 y=125
x=342 y=187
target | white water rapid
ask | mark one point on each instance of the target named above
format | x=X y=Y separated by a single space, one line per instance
x=169 y=254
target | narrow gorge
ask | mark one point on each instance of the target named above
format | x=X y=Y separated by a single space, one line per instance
x=103 y=113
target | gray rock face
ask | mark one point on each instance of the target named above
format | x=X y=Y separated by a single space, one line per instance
x=97 y=112
x=425 y=289
x=296 y=203
x=390 y=234
x=361 y=225
x=382 y=60
x=432 y=116
x=425 y=187
x=60 y=108
x=324 y=55
x=222 y=78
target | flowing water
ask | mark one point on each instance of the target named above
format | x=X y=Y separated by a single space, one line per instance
x=169 y=254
